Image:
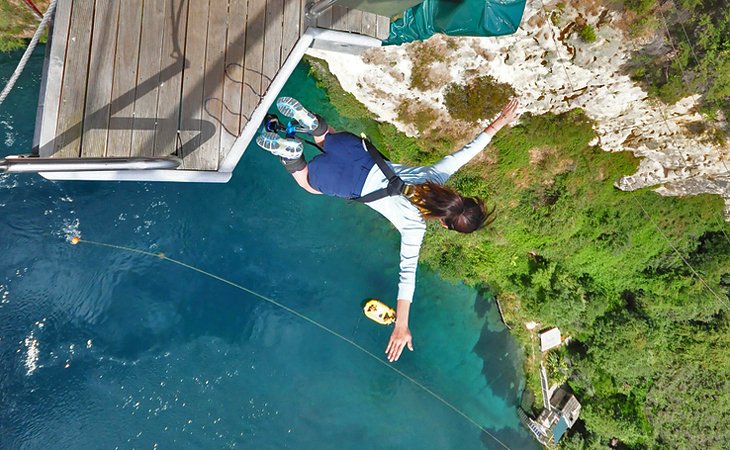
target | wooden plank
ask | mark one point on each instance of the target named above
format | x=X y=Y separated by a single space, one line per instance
x=339 y=18
x=193 y=81
x=303 y=21
x=137 y=119
x=325 y=20
x=172 y=68
x=42 y=92
x=73 y=89
x=233 y=82
x=272 y=41
x=101 y=72
x=206 y=156
x=119 y=142
x=369 y=24
x=254 y=58
x=292 y=12
x=354 y=21
x=54 y=77
x=383 y=27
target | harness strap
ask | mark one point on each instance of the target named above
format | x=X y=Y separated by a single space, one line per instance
x=396 y=186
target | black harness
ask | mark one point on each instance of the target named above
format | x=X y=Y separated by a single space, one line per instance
x=396 y=186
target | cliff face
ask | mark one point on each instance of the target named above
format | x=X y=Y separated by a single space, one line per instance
x=553 y=69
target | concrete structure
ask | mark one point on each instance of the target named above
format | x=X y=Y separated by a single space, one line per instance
x=550 y=339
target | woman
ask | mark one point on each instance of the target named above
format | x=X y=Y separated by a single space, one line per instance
x=347 y=169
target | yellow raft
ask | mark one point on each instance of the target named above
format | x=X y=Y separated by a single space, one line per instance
x=379 y=312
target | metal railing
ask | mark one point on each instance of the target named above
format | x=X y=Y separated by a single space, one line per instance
x=315 y=9
x=32 y=164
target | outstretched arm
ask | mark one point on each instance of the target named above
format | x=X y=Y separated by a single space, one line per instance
x=412 y=229
x=450 y=164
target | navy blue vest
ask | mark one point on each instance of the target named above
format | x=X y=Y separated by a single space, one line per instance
x=343 y=167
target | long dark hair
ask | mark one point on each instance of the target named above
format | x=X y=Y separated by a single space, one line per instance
x=463 y=214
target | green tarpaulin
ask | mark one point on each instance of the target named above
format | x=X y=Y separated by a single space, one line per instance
x=457 y=18
x=387 y=8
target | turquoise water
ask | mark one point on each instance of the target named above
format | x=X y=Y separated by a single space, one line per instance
x=103 y=348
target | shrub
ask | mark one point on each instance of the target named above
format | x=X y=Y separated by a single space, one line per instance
x=640 y=6
x=479 y=99
x=587 y=34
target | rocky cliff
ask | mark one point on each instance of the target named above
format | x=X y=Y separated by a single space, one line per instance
x=553 y=69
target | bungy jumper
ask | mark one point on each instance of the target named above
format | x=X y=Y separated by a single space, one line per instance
x=422 y=20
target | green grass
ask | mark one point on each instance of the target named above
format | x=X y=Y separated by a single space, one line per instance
x=15 y=20
x=587 y=34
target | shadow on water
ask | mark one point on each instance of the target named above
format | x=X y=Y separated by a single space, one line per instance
x=504 y=359
x=502 y=367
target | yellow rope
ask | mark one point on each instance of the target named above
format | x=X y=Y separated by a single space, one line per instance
x=77 y=240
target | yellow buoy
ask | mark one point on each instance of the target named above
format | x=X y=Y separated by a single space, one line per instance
x=75 y=240
x=379 y=312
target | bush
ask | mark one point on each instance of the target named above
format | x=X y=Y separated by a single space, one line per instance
x=479 y=99
x=640 y=6
x=557 y=366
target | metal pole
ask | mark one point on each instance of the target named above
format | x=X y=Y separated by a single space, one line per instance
x=33 y=164
x=315 y=9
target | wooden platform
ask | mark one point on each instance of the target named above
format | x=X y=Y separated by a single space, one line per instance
x=168 y=77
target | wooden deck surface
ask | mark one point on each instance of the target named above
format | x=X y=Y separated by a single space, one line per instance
x=168 y=77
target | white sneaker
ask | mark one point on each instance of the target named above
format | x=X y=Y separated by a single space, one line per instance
x=291 y=108
x=279 y=146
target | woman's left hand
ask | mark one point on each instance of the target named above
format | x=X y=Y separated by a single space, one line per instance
x=399 y=339
x=506 y=117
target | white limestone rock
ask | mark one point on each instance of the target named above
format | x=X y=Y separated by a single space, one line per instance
x=551 y=73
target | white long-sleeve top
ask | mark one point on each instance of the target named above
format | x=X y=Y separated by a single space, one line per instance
x=405 y=216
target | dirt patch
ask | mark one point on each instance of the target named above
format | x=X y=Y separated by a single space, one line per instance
x=589 y=7
x=539 y=155
x=521 y=178
x=430 y=59
x=545 y=158
x=483 y=52
x=417 y=113
x=489 y=157
x=377 y=57
x=440 y=74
